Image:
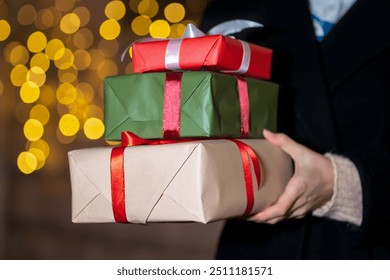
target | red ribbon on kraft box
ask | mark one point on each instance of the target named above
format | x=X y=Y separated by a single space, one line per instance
x=129 y=139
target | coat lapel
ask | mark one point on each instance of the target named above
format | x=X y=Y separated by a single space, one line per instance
x=351 y=43
x=305 y=112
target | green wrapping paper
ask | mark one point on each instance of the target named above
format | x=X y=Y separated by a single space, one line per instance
x=209 y=105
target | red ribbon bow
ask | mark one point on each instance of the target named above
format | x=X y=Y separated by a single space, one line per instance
x=130 y=139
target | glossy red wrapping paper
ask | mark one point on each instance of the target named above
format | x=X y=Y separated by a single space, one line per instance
x=214 y=53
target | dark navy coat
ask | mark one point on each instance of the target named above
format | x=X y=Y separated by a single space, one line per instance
x=334 y=97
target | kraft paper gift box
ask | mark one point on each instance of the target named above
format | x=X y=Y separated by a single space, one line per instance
x=213 y=53
x=198 y=181
x=196 y=103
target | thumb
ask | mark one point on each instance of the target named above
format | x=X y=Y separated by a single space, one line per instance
x=284 y=142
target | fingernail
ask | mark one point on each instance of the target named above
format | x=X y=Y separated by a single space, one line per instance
x=266 y=131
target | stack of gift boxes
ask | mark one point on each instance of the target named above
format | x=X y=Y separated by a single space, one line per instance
x=190 y=122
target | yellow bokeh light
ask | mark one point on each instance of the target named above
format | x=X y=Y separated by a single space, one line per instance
x=40 y=113
x=83 y=38
x=70 y=23
x=140 y=25
x=64 y=139
x=36 y=75
x=64 y=109
x=97 y=56
x=36 y=42
x=41 y=145
x=68 y=75
x=69 y=125
x=29 y=92
x=71 y=55
x=66 y=93
x=107 y=68
x=18 y=75
x=27 y=14
x=148 y=8
x=47 y=19
x=160 y=29
x=66 y=60
x=80 y=111
x=93 y=128
x=5 y=30
x=130 y=51
x=40 y=60
x=133 y=4
x=1 y=87
x=27 y=162
x=110 y=29
x=83 y=14
x=95 y=111
x=50 y=17
x=40 y=157
x=55 y=49
x=82 y=59
x=19 y=55
x=174 y=12
x=86 y=90
x=46 y=96
x=33 y=130
x=39 y=20
x=64 y=5
x=115 y=10
x=80 y=101
x=177 y=30
x=8 y=49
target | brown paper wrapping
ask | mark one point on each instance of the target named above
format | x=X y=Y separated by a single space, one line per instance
x=200 y=181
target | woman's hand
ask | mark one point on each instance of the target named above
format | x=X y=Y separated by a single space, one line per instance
x=310 y=187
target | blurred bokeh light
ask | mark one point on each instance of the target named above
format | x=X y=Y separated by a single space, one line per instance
x=59 y=52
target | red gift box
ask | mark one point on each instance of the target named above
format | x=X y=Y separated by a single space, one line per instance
x=214 y=53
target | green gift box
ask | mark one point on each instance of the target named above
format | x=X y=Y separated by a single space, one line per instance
x=209 y=104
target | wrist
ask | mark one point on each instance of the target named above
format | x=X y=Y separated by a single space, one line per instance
x=346 y=202
x=328 y=178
